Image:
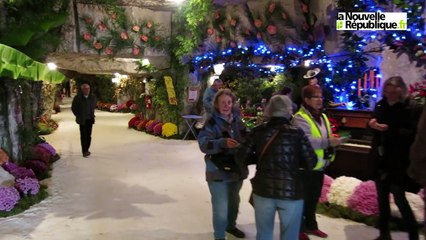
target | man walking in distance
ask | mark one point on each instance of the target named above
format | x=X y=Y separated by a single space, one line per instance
x=83 y=108
x=208 y=97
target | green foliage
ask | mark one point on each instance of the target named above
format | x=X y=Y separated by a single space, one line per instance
x=15 y=64
x=337 y=211
x=33 y=26
x=249 y=122
x=26 y=202
x=190 y=22
x=44 y=129
x=143 y=67
x=104 y=90
x=160 y=100
x=101 y=86
x=131 y=87
x=245 y=82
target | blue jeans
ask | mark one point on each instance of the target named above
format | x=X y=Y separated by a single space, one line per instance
x=225 y=197
x=289 y=212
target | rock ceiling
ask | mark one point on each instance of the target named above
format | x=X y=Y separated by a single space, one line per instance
x=95 y=64
x=85 y=63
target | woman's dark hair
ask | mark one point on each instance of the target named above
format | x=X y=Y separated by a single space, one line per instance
x=397 y=82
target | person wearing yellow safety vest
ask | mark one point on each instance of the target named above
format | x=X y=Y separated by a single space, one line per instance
x=316 y=126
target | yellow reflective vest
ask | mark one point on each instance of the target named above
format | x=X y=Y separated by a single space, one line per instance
x=316 y=133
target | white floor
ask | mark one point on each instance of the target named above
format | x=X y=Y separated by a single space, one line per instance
x=134 y=186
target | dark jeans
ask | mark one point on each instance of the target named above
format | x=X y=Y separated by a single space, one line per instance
x=225 y=197
x=86 y=135
x=313 y=181
x=384 y=187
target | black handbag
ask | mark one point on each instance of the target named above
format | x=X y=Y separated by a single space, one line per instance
x=224 y=162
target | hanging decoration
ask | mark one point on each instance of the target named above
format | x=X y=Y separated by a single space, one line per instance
x=114 y=34
x=170 y=90
x=340 y=71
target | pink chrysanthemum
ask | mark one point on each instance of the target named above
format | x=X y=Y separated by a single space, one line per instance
x=422 y=193
x=113 y=108
x=143 y=124
x=41 y=153
x=36 y=165
x=48 y=147
x=121 y=107
x=129 y=103
x=158 y=128
x=364 y=199
x=150 y=126
x=325 y=188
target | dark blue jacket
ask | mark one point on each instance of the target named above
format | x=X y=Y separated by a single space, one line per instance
x=212 y=140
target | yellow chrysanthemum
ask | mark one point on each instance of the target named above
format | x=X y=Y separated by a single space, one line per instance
x=169 y=129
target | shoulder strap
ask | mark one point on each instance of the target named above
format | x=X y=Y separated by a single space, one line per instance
x=270 y=141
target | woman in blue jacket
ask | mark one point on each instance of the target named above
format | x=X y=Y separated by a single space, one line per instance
x=218 y=139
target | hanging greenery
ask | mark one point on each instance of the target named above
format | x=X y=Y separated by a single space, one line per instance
x=160 y=100
x=15 y=64
x=33 y=26
x=190 y=22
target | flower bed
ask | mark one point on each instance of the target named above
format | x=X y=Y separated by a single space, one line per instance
x=46 y=126
x=23 y=188
x=129 y=106
x=165 y=130
x=348 y=197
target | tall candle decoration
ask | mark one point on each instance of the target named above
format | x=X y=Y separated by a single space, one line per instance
x=378 y=86
x=365 y=82
x=359 y=87
x=371 y=77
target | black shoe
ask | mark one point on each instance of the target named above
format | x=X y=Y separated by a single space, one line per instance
x=86 y=154
x=236 y=233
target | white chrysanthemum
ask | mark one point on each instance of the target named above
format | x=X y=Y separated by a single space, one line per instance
x=416 y=203
x=341 y=189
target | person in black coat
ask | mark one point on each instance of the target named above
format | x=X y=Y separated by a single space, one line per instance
x=394 y=122
x=83 y=108
x=278 y=184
